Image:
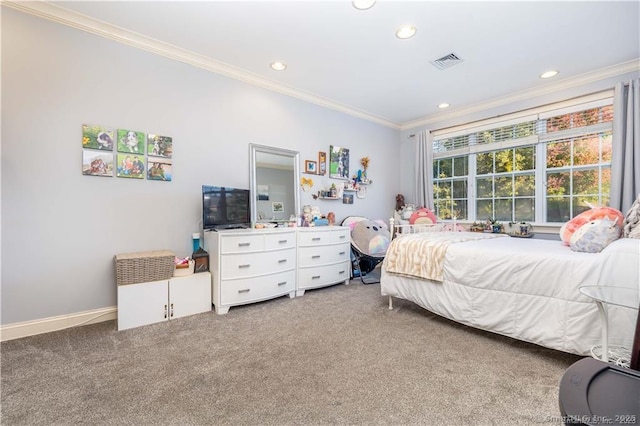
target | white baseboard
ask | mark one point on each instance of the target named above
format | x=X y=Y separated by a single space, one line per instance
x=47 y=325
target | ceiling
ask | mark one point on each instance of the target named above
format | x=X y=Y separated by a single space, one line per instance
x=350 y=60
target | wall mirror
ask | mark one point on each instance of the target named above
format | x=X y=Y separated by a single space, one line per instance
x=274 y=175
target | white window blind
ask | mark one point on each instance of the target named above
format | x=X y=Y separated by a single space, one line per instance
x=521 y=128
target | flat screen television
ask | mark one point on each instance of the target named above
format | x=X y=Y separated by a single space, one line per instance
x=225 y=207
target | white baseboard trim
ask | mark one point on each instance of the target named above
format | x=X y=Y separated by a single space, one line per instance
x=47 y=325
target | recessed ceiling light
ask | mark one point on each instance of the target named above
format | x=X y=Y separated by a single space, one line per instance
x=363 y=4
x=278 y=66
x=443 y=105
x=406 y=31
x=549 y=74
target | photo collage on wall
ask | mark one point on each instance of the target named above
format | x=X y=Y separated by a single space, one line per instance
x=137 y=154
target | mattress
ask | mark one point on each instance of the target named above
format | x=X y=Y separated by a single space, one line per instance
x=527 y=289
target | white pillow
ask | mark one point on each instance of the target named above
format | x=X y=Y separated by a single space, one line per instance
x=593 y=236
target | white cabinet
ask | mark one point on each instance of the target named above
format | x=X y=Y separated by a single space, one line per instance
x=250 y=265
x=156 y=301
x=323 y=257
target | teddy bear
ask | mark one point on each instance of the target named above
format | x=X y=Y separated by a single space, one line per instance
x=399 y=202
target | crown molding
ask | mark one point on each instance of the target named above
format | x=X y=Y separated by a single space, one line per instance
x=45 y=9
x=583 y=79
x=60 y=15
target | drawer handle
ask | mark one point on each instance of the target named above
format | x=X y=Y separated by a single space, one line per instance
x=282 y=261
x=316 y=239
x=246 y=290
x=244 y=266
x=342 y=252
x=341 y=272
x=317 y=256
x=315 y=277
x=171 y=315
x=244 y=244
x=282 y=283
x=282 y=241
x=165 y=311
x=342 y=237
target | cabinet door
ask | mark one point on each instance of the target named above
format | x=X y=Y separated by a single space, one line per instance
x=143 y=303
x=189 y=295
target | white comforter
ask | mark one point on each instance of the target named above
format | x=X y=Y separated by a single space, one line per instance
x=528 y=289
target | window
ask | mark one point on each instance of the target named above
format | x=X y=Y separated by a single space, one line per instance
x=541 y=166
x=450 y=186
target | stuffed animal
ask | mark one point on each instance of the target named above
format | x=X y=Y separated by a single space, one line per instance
x=315 y=212
x=567 y=230
x=370 y=237
x=331 y=217
x=422 y=216
x=595 y=235
x=307 y=217
x=399 y=202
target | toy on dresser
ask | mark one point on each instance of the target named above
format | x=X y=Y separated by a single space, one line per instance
x=312 y=216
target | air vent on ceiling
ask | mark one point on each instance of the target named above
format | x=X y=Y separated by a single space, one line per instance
x=447 y=61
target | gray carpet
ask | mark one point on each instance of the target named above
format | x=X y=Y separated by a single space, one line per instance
x=337 y=355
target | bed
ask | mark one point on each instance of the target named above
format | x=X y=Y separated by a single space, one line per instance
x=524 y=288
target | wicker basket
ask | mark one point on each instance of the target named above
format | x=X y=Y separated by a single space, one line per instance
x=143 y=267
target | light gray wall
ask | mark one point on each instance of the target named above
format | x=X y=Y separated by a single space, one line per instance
x=60 y=229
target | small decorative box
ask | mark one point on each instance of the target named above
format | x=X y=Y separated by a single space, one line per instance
x=519 y=229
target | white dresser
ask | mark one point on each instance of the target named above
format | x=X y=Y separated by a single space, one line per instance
x=250 y=265
x=323 y=257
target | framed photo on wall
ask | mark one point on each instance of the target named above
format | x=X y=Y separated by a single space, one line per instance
x=310 y=167
x=97 y=137
x=131 y=141
x=322 y=163
x=96 y=163
x=338 y=163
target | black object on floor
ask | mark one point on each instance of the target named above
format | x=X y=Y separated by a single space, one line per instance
x=593 y=392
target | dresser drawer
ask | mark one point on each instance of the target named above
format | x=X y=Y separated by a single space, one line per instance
x=245 y=265
x=322 y=275
x=318 y=238
x=253 y=289
x=316 y=256
x=242 y=243
x=280 y=241
x=341 y=236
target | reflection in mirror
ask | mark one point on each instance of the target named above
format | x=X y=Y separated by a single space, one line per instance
x=274 y=178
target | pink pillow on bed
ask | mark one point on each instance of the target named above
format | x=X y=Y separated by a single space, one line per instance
x=567 y=230
x=422 y=216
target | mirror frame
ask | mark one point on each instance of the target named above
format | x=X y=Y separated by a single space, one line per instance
x=253 y=185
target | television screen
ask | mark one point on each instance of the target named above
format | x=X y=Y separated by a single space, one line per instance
x=224 y=207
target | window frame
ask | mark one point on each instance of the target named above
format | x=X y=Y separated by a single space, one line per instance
x=461 y=140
